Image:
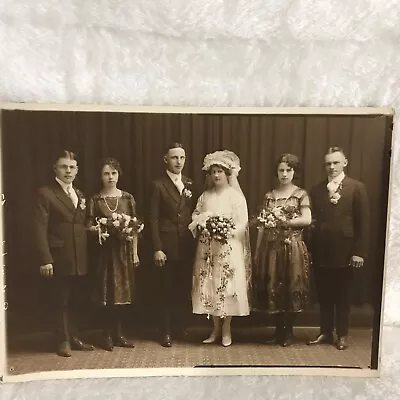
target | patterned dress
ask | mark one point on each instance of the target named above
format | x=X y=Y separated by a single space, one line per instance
x=114 y=270
x=220 y=281
x=281 y=273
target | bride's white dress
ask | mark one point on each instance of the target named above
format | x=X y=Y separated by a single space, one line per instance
x=219 y=274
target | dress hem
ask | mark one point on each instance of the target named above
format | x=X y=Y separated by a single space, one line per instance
x=221 y=315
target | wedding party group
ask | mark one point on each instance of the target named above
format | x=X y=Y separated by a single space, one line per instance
x=201 y=248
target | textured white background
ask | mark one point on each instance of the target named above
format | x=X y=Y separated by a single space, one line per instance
x=208 y=53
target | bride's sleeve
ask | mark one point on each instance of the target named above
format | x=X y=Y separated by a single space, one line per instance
x=240 y=215
x=195 y=215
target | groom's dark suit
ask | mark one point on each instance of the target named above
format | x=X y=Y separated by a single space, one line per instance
x=170 y=215
x=60 y=238
x=340 y=231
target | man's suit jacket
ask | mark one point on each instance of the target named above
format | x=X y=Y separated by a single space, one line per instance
x=60 y=231
x=339 y=230
x=170 y=215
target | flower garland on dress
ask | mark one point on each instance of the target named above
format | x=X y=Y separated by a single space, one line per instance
x=216 y=230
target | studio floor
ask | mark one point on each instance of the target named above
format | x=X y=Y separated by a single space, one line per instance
x=34 y=352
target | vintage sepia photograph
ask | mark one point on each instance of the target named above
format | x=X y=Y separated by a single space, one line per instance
x=193 y=241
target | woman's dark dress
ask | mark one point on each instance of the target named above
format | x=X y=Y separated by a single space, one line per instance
x=281 y=274
x=114 y=275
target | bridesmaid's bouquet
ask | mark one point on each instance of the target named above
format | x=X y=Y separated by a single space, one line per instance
x=217 y=228
x=276 y=217
x=119 y=224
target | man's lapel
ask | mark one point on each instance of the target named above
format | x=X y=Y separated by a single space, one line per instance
x=81 y=206
x=345 y=186
x=171 y=188
x=324 y=192
x=345 y=181
x=63 y=197
x=183 y=200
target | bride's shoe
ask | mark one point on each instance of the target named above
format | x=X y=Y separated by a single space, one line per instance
x=226 y=333
x=212 y=339
x=226 y=340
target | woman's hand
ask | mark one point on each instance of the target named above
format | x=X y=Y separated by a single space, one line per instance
x=290 y=223
x=93 y=229
x=136 y=260
x=104 y=235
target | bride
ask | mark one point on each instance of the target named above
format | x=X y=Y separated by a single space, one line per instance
x=222 y=268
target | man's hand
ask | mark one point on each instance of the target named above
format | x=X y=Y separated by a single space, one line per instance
x=46 y=270
x=356 y=261
x=160 y=258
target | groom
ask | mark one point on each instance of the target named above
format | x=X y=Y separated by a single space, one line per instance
x=60 y=239
x=339 y=244
x=171 y=207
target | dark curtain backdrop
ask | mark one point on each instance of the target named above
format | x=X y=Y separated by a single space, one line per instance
x=30 y=140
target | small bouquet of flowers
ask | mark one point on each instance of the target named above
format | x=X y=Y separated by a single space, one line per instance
x=217 y=228
x=122 y=225
x=275 y=220
x=275 y=217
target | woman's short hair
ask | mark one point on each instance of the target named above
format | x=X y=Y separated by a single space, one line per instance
x=113 y=163
x=291 y=160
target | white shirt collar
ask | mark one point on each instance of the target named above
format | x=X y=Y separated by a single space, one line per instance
x=174 y=177
x=338 y=179
x=64 y=185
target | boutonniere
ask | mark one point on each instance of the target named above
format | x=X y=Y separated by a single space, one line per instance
x=335 y=196
x=82 y=204
x=186 y=190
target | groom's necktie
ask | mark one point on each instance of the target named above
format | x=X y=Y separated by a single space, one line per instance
x=333 y=186
x=71 y=196
x=179 y=184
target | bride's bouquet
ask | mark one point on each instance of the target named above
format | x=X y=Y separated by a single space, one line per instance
x=119 y=224
x=216 y=227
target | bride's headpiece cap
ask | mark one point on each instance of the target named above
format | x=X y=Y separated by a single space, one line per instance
x=225 y=158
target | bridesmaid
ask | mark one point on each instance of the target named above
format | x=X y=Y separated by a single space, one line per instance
x=281 y=275
x=116 y=258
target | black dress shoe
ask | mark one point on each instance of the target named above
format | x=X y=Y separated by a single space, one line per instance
x=322 y=339
x=107 y=342
x=122 y=341
x=287 y=341
x=341 y=343
x=77 y=344
x=166 y=341
x=271 y=339
x=64 y=349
